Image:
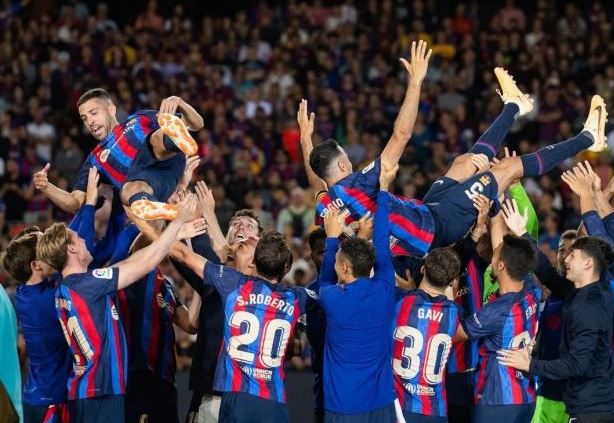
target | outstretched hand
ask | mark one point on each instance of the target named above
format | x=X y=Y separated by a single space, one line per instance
x=419 y=61
x=333 y=224
x=514 y=219
x=580 y=181
x=305 y=121
x=91 y=196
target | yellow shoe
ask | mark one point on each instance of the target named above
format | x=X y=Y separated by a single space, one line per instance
x=595 y=123
x=174 y=127
x=153 y=210
x=510 y=93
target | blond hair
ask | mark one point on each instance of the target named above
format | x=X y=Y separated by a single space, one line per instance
x=52 y=247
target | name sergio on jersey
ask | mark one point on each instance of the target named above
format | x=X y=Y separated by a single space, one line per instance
x=267 y=300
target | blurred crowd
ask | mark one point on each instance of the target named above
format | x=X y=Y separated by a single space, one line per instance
x=247 y=72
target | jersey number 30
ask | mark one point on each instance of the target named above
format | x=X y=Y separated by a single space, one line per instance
x=436 y=356
x=273 y=343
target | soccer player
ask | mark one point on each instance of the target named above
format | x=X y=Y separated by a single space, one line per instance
x=44 y=392
x=425 y=323
x=149 y=310
x=316 y=324
x=586 y=347
x=510 y=321
x=260 y=317
x=358 y=381
x=447 y=213
x=137 y=156
x=89 y=317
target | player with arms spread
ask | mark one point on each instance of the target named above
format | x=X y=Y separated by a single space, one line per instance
x=448 y=213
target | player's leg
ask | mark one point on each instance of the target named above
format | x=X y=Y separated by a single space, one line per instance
x=150 y=183
x=172 y=138
x=544 y=160
x=516 y=104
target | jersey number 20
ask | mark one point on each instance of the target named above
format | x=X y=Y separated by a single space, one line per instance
x=274 y=339
x=436 y=355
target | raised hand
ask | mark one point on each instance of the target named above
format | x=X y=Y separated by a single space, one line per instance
x=585 y=171
x=186 y=208
x=419 y=61
x=579 y=182
x=305 y=121
x=481 y=162
x=39 y=179
x=205 y=198
x=192 y=228
x=333 y=224
x=514 y=219
x=91 y=196
x=386 y=175
x=191 y=165
x=482 y=205
x=365 y=227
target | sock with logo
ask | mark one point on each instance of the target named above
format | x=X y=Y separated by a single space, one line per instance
x=547 y=158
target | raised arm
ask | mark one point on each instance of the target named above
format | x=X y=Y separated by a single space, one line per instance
x=384 y=268
x=207 y=202
x=404 y=123
x=70 y=202
x=143 y=261
x=192 y=119
x=546 y=273
x=305 y=124
x=333 y=226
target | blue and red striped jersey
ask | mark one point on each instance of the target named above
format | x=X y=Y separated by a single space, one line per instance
x=57 y=413
x=148 y=308
x=411 y=222
x=422 y=338
x=464 y=354
x=50 y=360
x=509 y=322
x=85 y=303
x=260 y=317
x=114 y=155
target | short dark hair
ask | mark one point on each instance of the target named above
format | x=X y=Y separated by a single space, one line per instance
x=519 y=256
x=597 y=249
x=317 y=235
x=26 y=231
x=249 y=213
x=442 y=266
x=322 y=156
x=19 y=255
x=93 y=93
x=361 y=255
x=569 y=234
x=272 y=256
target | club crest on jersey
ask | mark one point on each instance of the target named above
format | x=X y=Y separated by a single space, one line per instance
x=485 y=180
x=105 y=155
x=104 y=273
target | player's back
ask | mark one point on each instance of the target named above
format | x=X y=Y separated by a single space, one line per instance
x=260 y=317
x=148 y=307
x=49 y=358
x=422 y=338
x=515 y=316
x=86 y=307
x=357 y=352
x=412 y=227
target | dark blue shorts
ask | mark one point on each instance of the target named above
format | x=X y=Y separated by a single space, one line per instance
x=451 y=204
x=459 y=393
x=503 y=413
x=162 y=175
x=103 y=409
x=239 y=407
x=421 y=418
x=385 y=414
x=152 y=396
